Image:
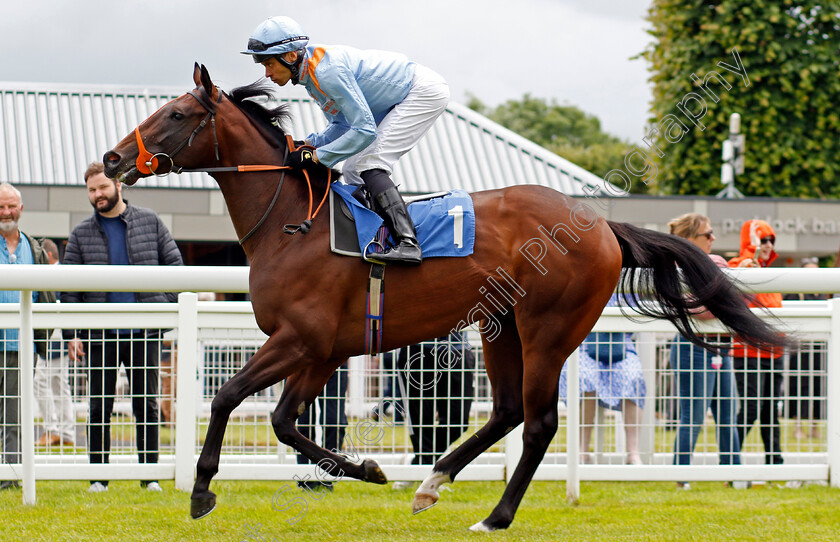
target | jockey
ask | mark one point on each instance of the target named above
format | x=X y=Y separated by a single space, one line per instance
x=378 y=105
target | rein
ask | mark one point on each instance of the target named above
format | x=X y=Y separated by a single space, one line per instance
x=147 y=163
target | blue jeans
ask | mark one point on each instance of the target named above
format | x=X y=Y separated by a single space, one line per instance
x=702 y=386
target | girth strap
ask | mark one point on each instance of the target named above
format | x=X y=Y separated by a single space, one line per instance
x=373 y=311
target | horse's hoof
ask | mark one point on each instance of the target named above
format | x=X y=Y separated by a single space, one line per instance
x=373 y=473
x=480 y=527
x=201 y=506
x=423 y=501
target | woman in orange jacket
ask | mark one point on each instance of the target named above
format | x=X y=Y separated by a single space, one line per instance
x=759 y=373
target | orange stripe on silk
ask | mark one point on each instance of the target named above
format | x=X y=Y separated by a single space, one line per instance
x=317 y=56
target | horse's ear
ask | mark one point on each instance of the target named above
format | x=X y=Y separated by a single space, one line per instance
x=197 y=74
x=205 y=80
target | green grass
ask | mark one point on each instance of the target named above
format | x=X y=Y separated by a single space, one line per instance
x=361 y=512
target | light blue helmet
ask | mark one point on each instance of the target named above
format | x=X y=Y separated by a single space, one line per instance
x=275 y=36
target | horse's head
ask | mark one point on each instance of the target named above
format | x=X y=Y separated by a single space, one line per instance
x=152 y=147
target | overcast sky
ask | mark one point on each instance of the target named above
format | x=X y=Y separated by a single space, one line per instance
x=576 y=52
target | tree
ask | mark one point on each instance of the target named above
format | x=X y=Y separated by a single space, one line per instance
x=562 y=129
x=787 y=96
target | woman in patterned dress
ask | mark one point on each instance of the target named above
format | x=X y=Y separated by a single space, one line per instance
x=610 y=374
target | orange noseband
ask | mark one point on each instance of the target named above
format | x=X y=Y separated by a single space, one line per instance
x=146 y=162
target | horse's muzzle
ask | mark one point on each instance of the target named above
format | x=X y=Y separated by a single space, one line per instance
x=111 y=160
x=115 y=169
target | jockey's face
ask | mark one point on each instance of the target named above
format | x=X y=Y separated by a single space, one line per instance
x=276 y=71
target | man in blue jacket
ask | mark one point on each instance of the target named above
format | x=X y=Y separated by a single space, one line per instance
x=119 y=233
x=378 y=105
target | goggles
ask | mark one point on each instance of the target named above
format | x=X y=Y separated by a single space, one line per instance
x=259 y=47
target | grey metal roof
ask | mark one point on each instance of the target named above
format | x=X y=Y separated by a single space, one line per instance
x=49 y=133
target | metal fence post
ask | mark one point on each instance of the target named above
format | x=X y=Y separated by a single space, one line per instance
x=832 y=400
x=186 y=411
x=356 y=371
x=573 y=428
x=26 y=360
x=647 y=353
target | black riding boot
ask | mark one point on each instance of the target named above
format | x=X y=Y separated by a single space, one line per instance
x=387 y=197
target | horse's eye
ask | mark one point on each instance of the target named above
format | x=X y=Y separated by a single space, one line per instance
x=176 y=116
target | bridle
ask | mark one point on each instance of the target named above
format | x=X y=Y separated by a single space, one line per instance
x=147 y=163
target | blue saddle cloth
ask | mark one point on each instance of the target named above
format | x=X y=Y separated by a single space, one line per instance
x=445 y=225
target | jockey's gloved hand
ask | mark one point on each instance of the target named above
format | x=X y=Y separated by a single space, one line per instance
x=299 y=143
x=303 y=158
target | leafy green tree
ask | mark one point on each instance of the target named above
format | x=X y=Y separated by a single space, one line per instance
x=790 y=50
x=562 y=129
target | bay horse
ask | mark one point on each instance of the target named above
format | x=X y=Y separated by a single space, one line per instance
x=553 y=263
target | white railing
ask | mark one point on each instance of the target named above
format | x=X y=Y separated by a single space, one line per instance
x=196 y=324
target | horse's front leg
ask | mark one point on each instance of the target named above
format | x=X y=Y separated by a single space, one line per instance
x=268 y=366
x=300 y=390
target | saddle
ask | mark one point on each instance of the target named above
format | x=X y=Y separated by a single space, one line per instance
x=445 y=222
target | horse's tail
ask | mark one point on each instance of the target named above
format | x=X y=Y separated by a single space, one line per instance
x=680 y=278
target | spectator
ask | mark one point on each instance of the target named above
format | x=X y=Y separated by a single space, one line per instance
x=378 y=105
x=390 y=407
x=836 y=264
x=806 y=381
x=436 y=381
x=333 y=422
x=169 y=368
x=704 y=378
x=52 y=384
x=119 y=233
x=15 y=248
x=759 y=373
x=610 y=373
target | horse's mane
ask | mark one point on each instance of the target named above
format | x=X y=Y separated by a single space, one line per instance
x=271 y=119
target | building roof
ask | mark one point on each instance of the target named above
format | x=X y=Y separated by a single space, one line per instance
x=50 y=132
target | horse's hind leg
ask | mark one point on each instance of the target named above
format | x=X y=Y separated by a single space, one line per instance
x=540 y=428
x=545 y=349
x=503 y=361
x=301 y=389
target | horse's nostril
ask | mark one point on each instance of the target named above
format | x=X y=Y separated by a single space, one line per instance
x=111 y=160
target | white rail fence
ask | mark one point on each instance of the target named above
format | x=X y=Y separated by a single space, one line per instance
x=214 y=338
